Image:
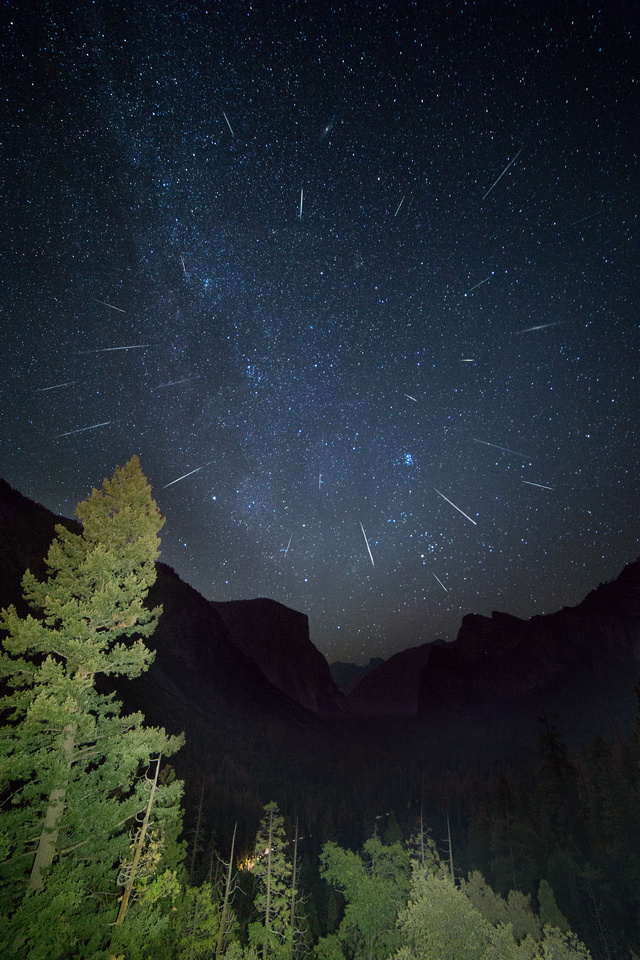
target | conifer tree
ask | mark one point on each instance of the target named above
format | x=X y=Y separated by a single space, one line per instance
x=375 y=886
x=442 y=922
x=72 y=767
x=274 y=935
x=548 y=908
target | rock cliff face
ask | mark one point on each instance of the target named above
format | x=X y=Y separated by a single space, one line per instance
x=196 y=661
x=276 y=639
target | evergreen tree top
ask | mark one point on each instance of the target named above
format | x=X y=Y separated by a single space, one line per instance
x=93 y=596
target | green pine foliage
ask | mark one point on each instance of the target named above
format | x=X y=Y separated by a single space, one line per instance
x=73 y=769
x=272 y=935
x=375 y=886
x=414 y=910
x=549 y=911
x=441 y=922
x=515 y=910
x=444 y=922
x=196 y=924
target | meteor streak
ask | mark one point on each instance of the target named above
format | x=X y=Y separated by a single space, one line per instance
x=137 y=346
x=398 y=207
x=506 y=449
x=440 y=581
x=288 y=545
x=502 y=174
x=93 y=426
x=185 y=475
x=582 y=219
x=455 y=508
x=56 y=386
x=228 y=124
x=532 y=484
x=541 y=326
x=301 y=199
x=172 y=383
x=367 y=543
x=105 y=304
x=481 y=282
x=410 y=398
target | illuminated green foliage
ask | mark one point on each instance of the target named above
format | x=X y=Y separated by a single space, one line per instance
x=72 y=767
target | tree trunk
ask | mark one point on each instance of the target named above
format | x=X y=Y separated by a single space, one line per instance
x=49 y=837
x=124 y=903
x=225 y=904
x=197 y=836
x=267 y=918
x=293 y=891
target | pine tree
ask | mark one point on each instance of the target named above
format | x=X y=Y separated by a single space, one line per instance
x=274 y=935
x=442 y=922
x=72 y=767
x=375 y=886
x=548 y=908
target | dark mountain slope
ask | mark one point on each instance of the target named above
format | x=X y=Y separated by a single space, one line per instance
x=393 y=687
x=346 y=675
x=579 y=664
x=276 y=639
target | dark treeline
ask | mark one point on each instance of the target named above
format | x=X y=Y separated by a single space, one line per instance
x=571 y=818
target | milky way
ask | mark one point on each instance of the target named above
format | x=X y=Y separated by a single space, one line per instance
x=327 y=269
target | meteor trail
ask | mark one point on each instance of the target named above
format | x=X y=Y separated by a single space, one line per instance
x=506 y=449
x=137 y=346
x=398 y=207
x=455 y=508
x=481 y=282
x=82 y=429
x=582 y=219
x=288 y=545
x=541 y=326
x=301 y=199
x=185 y=475
x=172 y=383
x=367 y=543
x=184 y=268
x=440 y=581
x=319 y=481
x=502 y=174
x=56 y=386
x=228 y=124
x=410 y=398
x=466 y=359
x=105 y=304
x=532 y=484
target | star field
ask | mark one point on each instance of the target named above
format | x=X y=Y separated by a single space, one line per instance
x=358 y=282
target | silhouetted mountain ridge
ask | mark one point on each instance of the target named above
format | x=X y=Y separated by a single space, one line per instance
x=503 y=664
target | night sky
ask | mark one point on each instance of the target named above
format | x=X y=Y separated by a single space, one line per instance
x=358 y=282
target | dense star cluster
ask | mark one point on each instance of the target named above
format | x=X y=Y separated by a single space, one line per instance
x=357 y=282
